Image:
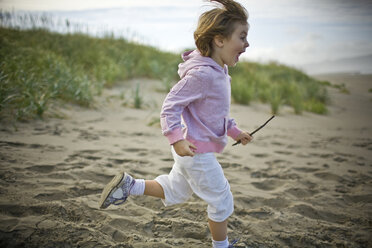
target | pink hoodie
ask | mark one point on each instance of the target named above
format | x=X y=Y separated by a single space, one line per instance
x=202 y=98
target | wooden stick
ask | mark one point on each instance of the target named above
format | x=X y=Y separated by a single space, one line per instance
x=251 y=134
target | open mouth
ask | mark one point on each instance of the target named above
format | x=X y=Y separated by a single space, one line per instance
x=237 y=56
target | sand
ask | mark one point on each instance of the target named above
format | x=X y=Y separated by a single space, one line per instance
x=304 y=181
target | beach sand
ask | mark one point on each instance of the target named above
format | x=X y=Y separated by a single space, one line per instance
x=304 y=181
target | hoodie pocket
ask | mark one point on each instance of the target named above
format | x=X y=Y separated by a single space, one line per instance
x=225 y=123
x=220 y=137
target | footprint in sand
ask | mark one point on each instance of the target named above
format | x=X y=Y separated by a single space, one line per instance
x=142 y=173
x=301 y=193
x=166 y=169
x=86 y=135
x=268 y=185
x=277 y=203
x=278 y=163
x=41 y=168
x=328 y=176
x=134 y=150
x=260 y=155
x=84 y=154
x=120 y=161
x=167 y=159
x=284 y=152
x=292 y=146
x=61 y=176
x=230 y=165
x=275 y=143
x=303 y=155
x=270 y=173
x=340 y=159
x=137 y=134
x=261 y=214
x=185 y=229
x=118 y=231
x=321 y=155
x=305 y=169
x=364 y=143
x=316 y=214
x=361 y=198
x=12 y=145
x=260 y=174
x=95 y=120
x=334 y=140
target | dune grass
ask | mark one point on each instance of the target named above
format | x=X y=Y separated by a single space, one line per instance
x=39 y=67
x=278 y=85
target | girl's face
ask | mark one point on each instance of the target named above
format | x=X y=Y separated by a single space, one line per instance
x=228 y=50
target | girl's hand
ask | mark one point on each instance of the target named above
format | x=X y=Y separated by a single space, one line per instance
x=244 y=138
x=184 y=148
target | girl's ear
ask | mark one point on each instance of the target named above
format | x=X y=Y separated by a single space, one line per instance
x=219 y=40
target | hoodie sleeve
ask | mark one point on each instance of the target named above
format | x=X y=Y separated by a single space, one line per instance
x=232 y=130
x=188 y=89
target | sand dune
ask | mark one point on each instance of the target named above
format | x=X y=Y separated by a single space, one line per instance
x=305 y=181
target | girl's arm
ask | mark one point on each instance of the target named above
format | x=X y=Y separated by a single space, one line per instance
x=187 y=90
x=244 y=138
x=238 y=135
x=232 y=129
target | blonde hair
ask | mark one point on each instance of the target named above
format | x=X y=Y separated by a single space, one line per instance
x=218 y=21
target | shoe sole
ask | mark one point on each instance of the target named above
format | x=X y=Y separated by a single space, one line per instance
x=109 y=188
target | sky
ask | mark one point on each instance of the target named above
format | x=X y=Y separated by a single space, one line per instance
x=293 y=32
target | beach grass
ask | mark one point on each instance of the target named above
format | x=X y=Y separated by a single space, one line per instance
x=137 y=98
x=40 y=66
x=278 y=85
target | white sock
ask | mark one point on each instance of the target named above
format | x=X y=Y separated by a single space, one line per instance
x=220 y=244
x=138 y=187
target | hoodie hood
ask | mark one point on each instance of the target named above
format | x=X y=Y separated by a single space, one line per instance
x=193 y=59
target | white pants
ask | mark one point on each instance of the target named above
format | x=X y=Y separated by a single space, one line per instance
x=202 y=175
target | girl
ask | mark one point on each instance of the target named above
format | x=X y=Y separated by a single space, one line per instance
x=202 y=99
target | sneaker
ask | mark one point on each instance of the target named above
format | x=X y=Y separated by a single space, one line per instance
x=231 y=245
x=123 y=181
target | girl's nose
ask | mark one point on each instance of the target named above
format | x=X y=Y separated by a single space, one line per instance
x=246 y=44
